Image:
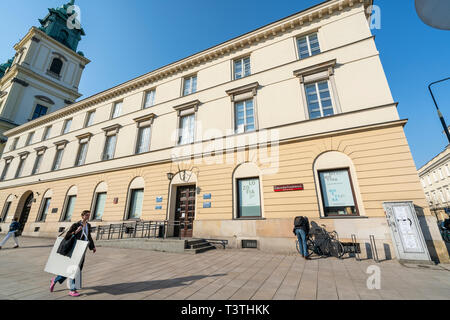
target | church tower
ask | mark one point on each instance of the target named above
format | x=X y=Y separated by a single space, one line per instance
x=45 y=72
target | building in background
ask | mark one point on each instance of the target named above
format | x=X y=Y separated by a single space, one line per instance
x=435 y=179
x=294 y=118
x=44 y=74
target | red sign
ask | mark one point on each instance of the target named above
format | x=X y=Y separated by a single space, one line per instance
x=288 y=187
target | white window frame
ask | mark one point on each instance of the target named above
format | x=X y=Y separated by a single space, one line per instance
x=146 y=93
x=6 y=168
x=89 y=121
x=29 y=139
x=66 y=126
x=110 y=132
x=60 y=147
x=190 y=78
x=114 y=113
x=315 y=74
x=319 y=100
x=307 y=36
x=242 y=61
x=47 y=132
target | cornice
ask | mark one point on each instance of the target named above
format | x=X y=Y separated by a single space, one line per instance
x=188 y=105
x=301 y=18
x=147 y=117
x=34 y=34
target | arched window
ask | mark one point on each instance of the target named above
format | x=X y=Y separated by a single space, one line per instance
x=337 y=185
x=69 y=204
x=6 y=208
x=56 y=66
x=135 y=198
x=99 y=201
x=45 y=206
x=247 y=191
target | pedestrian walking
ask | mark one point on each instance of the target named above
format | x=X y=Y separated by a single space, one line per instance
x=82 y=231
x=301 y=230
x=12 y=233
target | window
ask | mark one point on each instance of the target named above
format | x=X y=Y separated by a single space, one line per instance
x=442 y=196
x=117 y=110
x=47 y=132
x=308 y=46
x=447 y=170
x=29 y=139
x=242 y=68
x=440 y=174
x=44 y=210
x=448 y=194
x=66 y=126
x=58 y=158
x=89 y=119
x=143 y=141
x=429 y=180
x=39 y=111
x=149 y=99
x=190 y=85
x=56 y=66
x=37 y=163
x=5 y=170
x=5 y=211
x=186 y=130
x=244 y=116
x=249 y=200
x=82 y=152
x=319 y=100
x=337 y=193
x=99 y=207
x=14 y=144
x=20 y=168
x=423 y=183
x=70 y=204
x=135 y=208
x=110 y=147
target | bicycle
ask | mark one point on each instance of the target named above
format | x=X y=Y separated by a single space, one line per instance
x=323 y=243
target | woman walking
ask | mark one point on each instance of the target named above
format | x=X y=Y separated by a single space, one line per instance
x=82 y=231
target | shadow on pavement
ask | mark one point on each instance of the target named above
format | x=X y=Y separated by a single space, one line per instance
x=135 y=287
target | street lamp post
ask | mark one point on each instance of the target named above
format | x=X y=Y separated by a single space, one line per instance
x=437 y=108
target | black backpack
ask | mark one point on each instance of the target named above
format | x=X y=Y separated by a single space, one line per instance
x=299 y=222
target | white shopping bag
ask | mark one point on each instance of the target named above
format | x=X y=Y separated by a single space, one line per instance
x=68 y=267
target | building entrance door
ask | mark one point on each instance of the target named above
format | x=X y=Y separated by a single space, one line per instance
x=184 y=211
x=407 y=236
x=25 y=213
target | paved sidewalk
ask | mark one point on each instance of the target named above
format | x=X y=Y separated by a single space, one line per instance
x=117 y=274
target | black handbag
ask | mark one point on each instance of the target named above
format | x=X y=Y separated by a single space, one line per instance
x=66 y=246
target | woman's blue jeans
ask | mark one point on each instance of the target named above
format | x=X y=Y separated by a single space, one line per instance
x=301 y=236
x=61 y=279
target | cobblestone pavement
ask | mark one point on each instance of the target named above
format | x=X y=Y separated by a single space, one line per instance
x=117 y=274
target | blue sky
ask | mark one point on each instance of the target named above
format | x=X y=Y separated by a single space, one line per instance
x=126 y=39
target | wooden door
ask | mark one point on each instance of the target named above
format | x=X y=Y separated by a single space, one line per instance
x=185 y=211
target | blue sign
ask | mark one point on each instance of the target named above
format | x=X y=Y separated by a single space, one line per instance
x=158 y=208
x=207 y=196
x=206 y=204
x=159 y=199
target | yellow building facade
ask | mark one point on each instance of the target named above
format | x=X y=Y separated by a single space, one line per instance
x=236 y=141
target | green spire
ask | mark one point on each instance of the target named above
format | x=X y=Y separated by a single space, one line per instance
x=5 y=66
x=57 y=24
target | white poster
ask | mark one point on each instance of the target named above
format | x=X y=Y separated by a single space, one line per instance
x=338 y=190
x=66 y=266
x=250 y=193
